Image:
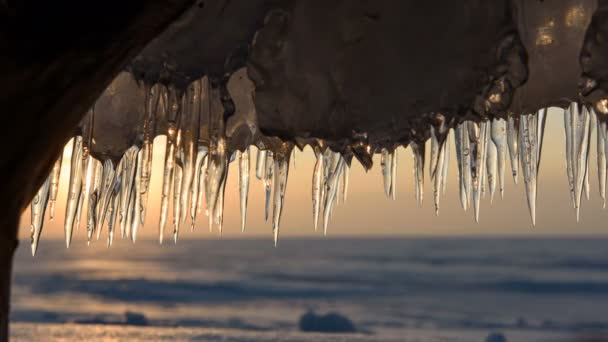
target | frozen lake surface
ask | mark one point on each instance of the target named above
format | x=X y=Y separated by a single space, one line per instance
x=246 y=290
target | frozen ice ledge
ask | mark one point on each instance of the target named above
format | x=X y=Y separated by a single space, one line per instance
x=349 y=79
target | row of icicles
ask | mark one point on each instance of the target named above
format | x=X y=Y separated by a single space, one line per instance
x=117 y=196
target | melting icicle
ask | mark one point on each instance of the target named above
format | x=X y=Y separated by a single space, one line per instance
x=513 y=142
x=201 y=184
x=217 y=171
x=463 y=157
x=38 y=209
x=386 y=166
x=346 y=178
x=331 y=190
x=418 y=151
x=393 y=174
x=113 y=210
x=281 y=172
x=268 y=182
x=54 y=186
x=499 y=137
x=190 y=130
x=478 y=142
x=196 y=193
x=317 y=185
x=243 y=184
x=577 y=124
x=138 y=209
x=94 y=193
x=438 y=148
x=582 y=150
x=129 y=168
x=531 y=135
x=74 y=190
x=446 y=165
x=491 y=166
x=569 y=124
x=105 y=194
x=601 y=156
x=177 y=193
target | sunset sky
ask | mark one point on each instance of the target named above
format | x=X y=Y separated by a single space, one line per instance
x=369 y=212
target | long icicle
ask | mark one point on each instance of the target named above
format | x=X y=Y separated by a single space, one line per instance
x=569 y=124
x=54 y=186
x=317 y=184
x=418 y=150
x=331 y=190
x=346 y=177
x=446 y=164
x=601 y=157
x=582 y=154
x=463 y=157
x=190 y=131
x=196 y=193
x=94 y=194
x=105 y=195
x=269 y=165
x=74 y=190
x=243 y=185
x=491 y=166
x=38 y=209
x=393 y=174
x=499 y=137
x=129 y=165
x=513 y=142
x=281 y=172
x=531 y=132
x=386 y=168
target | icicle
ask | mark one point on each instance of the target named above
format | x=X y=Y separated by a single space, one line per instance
x=260 y=164
x=437 y=177
x=177 y=193
x=393 y=175
x=446 y=165
x=478 y=142
x=531 y=132
x=386 y=166
x=463 y=156
x=131 y=214
x=346 y=178
x=94 y=195
x=201 y=184
x=601 y=156
x=438 y=152
x=499 y=137
x=190 y=130
x=196 y=193
x=54 y=186
x=243 y=184
x=569 y=116
x=418 y=151
x=491 y=166
x=513 y=142
x=268 y=182
x=129 y=168
x=113 y=210
x=38 y=209
x=317 y=185
x=105 y=194
x=74 y=190
x=138 y=209
x=281 y=172
x=331 y=189
x=582 y=149
x=217 y=171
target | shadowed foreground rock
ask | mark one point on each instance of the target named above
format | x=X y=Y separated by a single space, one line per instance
x=56 y=59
